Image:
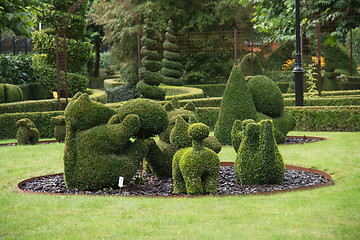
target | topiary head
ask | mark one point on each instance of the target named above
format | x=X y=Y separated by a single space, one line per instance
x=153 y=116
x=198 y=131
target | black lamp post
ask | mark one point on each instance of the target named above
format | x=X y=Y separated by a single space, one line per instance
x=298 y=69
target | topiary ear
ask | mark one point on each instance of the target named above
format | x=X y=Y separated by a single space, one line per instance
x=76 y=96
x=179 y=134
x=190 y=106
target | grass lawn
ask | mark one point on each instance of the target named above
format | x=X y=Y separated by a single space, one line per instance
x=324 y=213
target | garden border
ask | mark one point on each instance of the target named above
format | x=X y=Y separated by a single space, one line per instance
x=309 y=170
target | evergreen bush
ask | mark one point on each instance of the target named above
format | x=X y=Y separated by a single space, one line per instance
x=250 y=65
x=10 y=93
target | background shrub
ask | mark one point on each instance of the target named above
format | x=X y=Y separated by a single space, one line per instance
x=16 y=69
x=10 y=93
x=250 y=65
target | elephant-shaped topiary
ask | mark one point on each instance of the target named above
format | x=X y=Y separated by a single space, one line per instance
x=98 y=147
x=27 y=132
x=60 y=128
x=195 y=170
x=175 y=137
x=258 y=159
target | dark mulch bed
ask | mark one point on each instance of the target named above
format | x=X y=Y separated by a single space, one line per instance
x=227 y=185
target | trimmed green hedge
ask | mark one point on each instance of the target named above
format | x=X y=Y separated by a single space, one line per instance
x=335 y=101
x=211 y=90
x=42 y=121
x=112 y=83
x=315 y=118
x=46 y=105
x=329 y=118
x=182 y=92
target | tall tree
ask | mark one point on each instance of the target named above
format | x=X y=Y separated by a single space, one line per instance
x=277 y=17
x=187 y=16
x=18 y=16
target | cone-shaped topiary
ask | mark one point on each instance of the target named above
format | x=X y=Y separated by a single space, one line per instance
x=151 y=65
x=258 y=159
x=236 y=104
x=172 y=67
x=60 y=128
x=27 y=132
x=98 y=152
x=250 y=65
x=196 y=169
x=266 y=95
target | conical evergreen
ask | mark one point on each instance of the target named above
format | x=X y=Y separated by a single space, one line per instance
x=172 y=67
x=151 y=65
x=236 y=104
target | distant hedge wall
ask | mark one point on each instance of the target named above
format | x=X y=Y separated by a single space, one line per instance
x=46 y=105
x=326 y=118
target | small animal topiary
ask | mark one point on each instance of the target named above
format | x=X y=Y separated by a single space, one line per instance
x=258 y=159
x=196 y=169
x=27 y=132
x=60 y=128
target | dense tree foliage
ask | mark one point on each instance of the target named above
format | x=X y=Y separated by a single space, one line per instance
x=187 y=16
x=18 y=16
x=277 y=17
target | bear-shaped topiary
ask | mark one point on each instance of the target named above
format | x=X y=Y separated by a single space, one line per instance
x=258 y=159
x=27 y=132
x=98 y=147
x=60 y=128
x=196 y=169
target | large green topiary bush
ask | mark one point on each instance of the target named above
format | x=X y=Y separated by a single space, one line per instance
x=172 y=66
x=236 y=104
x=250 y=65
x=148 y=87
x=196 y=169
x=27 y=132
x=97 y=145
x=258 y=159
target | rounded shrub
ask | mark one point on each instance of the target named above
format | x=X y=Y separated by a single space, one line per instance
x=10 y=93
x=266 y=95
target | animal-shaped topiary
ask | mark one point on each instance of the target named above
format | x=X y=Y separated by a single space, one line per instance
x=258 y=159
x=98 y=148
x=176 y=136
x=258 y=99
x=27 y=132
x=196 y=169
x=60 y=128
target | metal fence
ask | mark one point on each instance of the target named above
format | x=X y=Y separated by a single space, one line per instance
x=15 y=45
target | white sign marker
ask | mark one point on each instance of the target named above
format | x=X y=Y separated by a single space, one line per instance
x=121 y=182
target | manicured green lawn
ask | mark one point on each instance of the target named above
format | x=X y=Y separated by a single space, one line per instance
x=324 y=213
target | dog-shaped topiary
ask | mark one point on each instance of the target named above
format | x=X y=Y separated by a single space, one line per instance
x=27 y=132
x=195 y=170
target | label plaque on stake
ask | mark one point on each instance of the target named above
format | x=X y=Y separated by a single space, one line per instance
x=121 y=182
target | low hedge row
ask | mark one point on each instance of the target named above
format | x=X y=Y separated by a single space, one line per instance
x=334 y=101
x=328 y=93
x=323 y=118
x=182 y=92
x=42 y=121
x=46 y=105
